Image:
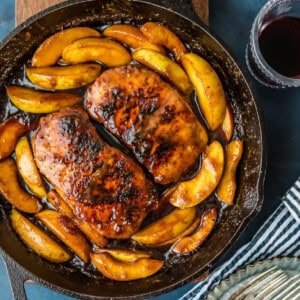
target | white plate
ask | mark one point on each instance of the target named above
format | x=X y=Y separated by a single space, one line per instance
x=275 y=279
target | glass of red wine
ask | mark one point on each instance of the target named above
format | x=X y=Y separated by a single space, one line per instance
x=273 y=52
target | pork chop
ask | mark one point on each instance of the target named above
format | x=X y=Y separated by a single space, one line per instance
x=102 y=185
x=150 y=117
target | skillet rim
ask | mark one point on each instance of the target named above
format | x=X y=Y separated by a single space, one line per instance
x=260 y=179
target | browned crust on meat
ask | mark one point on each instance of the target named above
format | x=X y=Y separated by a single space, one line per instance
x=100 y=183
x=150 y=117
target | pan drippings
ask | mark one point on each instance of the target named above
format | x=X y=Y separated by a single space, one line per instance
x=131 y=149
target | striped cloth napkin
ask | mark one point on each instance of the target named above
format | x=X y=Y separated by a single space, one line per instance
x=278 y=236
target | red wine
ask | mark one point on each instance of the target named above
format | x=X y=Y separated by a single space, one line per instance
x=279 y=42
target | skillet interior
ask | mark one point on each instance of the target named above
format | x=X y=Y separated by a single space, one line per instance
x=19 y=47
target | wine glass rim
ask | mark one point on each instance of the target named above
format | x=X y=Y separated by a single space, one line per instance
x=256 y=28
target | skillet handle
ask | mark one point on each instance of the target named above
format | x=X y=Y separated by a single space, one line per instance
x=17 y=277
x=193 y=9
x=201 y=7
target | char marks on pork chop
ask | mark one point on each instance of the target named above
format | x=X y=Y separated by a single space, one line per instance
x=101 y=184
x=150 y=117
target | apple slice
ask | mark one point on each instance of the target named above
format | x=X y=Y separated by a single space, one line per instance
x=59 y=204
x=108 y=52
x=227 y=186
x=51 y=49
x=125 y=270
x=209 y=89
x=186 y=232
x=38 y=240
x=33 y=101
x=126 y=255
x=227 y=126
x=165 y=67
x=163 y=36
x=62 y=227
x=91 y=232
x=11 y=189
x=12 y=129
x=167 y=227
x=28 y=169
x=190 y=243
x=63 y=77
x=192 y=192
x=131 y=36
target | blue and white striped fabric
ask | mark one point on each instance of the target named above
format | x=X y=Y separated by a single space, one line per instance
x=278 y=236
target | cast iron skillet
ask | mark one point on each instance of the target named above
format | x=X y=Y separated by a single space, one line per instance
x=20 y=45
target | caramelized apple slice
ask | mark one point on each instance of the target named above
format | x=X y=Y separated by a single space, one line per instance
x=12 y=129
x=227 y=186
x=91 y=232
x=11 y=189
x=51 y=49
x=209 y=89
x=191 y=192
x=125 y=271
x=126 y=255
x=161 y=35
x=131 y=36
x=192 y=242
x=167 y=227
x=186 y=232
x=38 y=240
x=108 y=52
x=63 y=77
x=165 y=67
x=59 y=204
x=62 y=227
x=33 y=101
x=28 y=169
x=227 y=126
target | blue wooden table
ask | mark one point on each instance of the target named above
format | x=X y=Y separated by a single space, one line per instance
x=231 y=20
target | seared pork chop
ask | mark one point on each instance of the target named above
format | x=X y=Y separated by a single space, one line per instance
x=150 y=117
x=101 y=184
